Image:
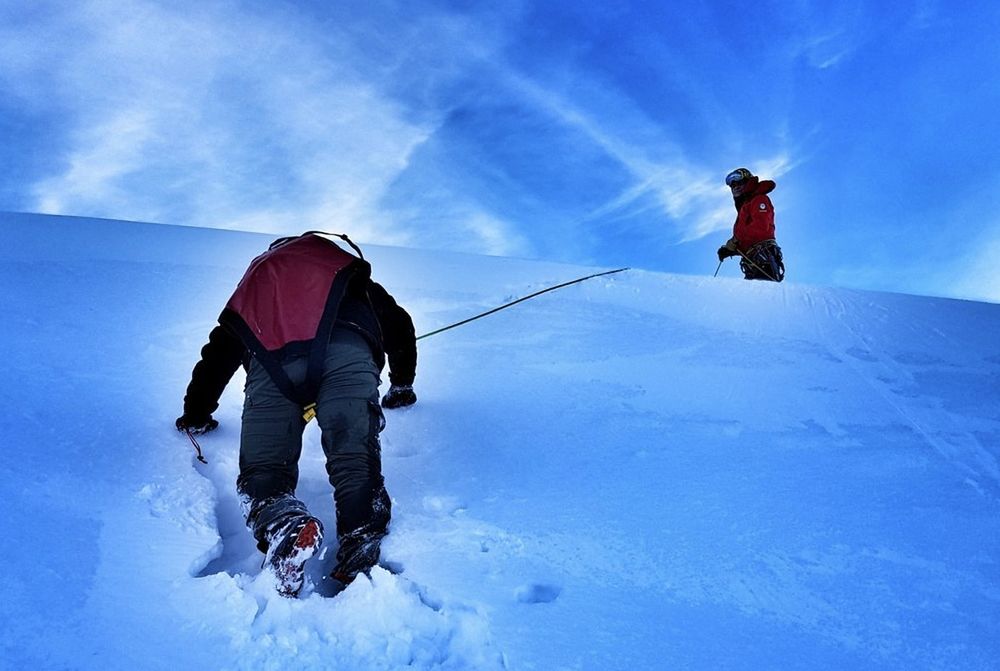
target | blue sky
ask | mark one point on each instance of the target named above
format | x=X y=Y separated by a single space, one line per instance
x=558 y=130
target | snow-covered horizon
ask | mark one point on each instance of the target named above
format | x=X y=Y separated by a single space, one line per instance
x=643 y=471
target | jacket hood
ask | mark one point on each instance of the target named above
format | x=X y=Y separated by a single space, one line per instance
x=766 y=186
x=756 y=188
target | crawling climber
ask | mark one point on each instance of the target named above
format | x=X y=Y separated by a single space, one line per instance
x=313 y=331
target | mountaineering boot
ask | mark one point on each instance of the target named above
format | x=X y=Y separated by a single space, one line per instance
x=359 y=552
x=290 y=547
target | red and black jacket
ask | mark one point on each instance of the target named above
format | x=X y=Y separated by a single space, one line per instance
x=755 y=215
x=287 y=305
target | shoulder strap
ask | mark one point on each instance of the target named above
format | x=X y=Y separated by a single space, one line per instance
x=342 y=236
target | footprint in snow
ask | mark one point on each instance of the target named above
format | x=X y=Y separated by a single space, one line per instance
x=861 y=354
x=444 y=505
x=538 y=593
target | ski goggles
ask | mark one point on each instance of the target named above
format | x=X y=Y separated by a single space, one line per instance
x=737 y=176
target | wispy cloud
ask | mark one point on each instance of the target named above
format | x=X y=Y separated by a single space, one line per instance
x=657 y=166
x=831 y=33
x=203 y=115
x=104 y=154
x=684 y=190
x=829 y=49
x=565 y=130
x=206 y=115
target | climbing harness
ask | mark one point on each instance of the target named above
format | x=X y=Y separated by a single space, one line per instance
x=761 y=251
x=765 y=252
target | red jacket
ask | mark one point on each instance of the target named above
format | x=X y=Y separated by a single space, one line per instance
x=290 y=294
x=755 y=218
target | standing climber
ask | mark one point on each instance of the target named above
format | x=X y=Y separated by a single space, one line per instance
x=753 y=233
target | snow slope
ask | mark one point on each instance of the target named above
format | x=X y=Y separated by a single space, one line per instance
x=645 y=471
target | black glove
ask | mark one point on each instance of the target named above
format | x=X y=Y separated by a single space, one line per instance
x=727 y=250
x=196 y=425
x=398 y=396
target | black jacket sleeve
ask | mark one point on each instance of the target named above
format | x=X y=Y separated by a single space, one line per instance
x=220 y=358
x=398 y=336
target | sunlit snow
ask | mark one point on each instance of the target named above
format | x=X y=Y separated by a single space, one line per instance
x=643 y=471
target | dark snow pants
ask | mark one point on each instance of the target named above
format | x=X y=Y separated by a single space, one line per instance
x=350 y=420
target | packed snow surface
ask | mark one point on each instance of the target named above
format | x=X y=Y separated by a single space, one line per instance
x=642 y=471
